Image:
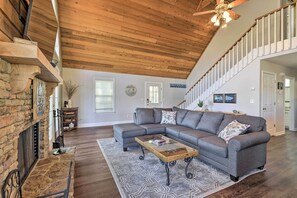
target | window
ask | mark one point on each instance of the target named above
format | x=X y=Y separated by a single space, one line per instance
x=154 y=94
x=104 y=96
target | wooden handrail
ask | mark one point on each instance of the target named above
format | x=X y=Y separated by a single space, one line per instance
x=182 y=102
x=253 y=25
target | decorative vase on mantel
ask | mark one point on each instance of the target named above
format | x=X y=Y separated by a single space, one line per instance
x=69 y=103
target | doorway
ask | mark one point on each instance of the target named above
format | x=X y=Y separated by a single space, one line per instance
x=268 y=104
x=289 y=103
x=153 y=94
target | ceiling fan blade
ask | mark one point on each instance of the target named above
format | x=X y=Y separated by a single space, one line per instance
x=236 y=3
x=202 y=13
x=233 y=15
x=220 y=1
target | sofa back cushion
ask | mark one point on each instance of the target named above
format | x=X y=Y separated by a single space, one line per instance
x=145 y=116
x=210 y=122
x=256 y=123
x=191 y=119
x=180 y=114
x=158 y=113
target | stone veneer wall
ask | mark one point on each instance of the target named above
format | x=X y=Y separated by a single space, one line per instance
x=16 y=116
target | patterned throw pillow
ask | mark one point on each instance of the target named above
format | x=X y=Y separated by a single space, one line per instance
x=233 y=129
x=168 y=117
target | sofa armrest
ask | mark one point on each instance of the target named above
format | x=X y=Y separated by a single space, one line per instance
x=241 y=142
x=135 y=118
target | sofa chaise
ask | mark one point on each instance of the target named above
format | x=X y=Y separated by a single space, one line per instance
x=200 y=130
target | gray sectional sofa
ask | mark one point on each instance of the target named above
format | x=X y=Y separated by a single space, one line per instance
x=200 y=130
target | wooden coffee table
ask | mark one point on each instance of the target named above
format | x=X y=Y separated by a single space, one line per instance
x=168 y=153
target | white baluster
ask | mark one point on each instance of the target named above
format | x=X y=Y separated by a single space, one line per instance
x=269 y=33
x=289 y=28
x=257 y=37
x=275 y=32
x=246 y=49
x=237 y=57
x=282 y=29
x=263 y=36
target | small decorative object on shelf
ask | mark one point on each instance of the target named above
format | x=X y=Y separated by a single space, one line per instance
x=200 y=104
x=70 y=89
x=70 y=118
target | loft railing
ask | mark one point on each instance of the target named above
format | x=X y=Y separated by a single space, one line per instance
x=271 y=33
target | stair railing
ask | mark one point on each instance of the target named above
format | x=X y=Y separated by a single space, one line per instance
x=271 y=33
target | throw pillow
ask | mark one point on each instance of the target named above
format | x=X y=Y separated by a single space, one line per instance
x=233 y=129
x=168 y=117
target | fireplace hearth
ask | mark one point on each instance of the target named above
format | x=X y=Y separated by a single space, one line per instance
x=28 y=149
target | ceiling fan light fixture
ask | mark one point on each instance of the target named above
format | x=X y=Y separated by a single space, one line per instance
x=214 y=18
x=226 y=14
x=228 y=19
x=217 y=23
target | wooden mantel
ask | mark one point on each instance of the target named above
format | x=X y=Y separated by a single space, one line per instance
x=27 y=62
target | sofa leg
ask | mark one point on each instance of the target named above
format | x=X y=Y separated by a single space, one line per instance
x=125 y=149
x=233 y=178
x=261 y=167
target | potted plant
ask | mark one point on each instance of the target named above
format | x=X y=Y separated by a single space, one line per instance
x=70 y=90
x=200 y=104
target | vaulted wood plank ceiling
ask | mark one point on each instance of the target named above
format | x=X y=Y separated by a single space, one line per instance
x=145 y=37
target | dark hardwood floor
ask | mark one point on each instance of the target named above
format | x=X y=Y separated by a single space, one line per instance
x=93 y=178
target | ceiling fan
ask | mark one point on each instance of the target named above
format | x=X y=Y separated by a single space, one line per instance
x=223 y=12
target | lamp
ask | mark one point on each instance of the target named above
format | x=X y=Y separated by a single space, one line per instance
x=221 y=18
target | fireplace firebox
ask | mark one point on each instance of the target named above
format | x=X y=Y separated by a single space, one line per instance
x=28 y=148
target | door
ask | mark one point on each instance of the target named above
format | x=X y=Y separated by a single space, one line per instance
x=153 y=94
x=268 y=100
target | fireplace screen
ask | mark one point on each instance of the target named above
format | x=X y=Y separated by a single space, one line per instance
x=28 y=150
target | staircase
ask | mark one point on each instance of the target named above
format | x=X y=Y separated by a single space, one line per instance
x=270 y=34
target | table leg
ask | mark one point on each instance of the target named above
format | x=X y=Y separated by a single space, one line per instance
x=188 y=161
x=143 y=155
x=167 y=173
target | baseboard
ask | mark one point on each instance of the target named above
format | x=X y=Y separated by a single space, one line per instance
x=279 y=133
x=103 y=124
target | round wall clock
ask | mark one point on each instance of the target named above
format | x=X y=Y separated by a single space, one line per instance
x=131 y=90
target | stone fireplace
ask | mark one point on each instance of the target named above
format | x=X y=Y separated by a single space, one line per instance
x=17 y=108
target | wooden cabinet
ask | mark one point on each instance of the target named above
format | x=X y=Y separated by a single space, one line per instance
x=69 y=115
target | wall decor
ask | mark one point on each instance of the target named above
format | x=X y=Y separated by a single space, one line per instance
x=39 y=97
x=230 y=98
x=131 y=90
x=174 y=85
x=218 y=98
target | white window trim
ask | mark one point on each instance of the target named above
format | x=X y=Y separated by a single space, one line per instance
x=114 y=94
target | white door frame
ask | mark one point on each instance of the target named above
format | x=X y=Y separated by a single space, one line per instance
x=145 y=92
x=292 y=102
x=262 y=92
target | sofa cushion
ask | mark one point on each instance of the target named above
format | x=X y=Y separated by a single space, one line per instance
x=168 y=117
x=191 y=119
x=214 y=144
x=145 y=116
x=175 y=129
x=180 y=114
x=192 y=136
x=210 y=122
x=158 y=113
x=233 y=129
x=256 y=123
x=154 y=128
x=128 y=130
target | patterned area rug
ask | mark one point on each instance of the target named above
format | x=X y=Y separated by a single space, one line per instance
x=147 y=178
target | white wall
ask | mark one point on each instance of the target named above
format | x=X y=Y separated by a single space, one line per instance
x=225 y=38
x=281 y=72
x=246 y=84
x=125 y=105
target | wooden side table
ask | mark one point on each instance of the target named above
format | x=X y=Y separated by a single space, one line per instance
x=69 y=115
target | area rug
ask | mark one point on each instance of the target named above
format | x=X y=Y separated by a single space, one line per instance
x=147 y=178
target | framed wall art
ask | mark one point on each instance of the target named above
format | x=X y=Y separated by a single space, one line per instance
x=38 y=98
x=218 y=98
x=230 y=98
